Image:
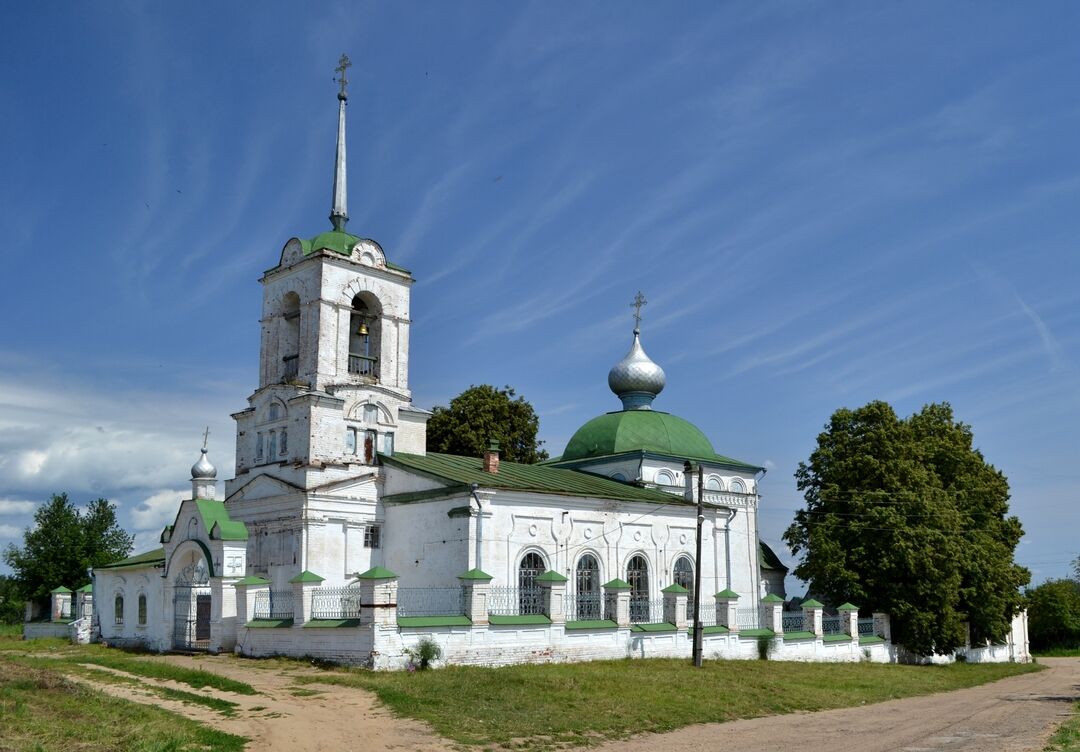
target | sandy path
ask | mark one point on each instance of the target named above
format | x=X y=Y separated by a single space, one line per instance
x=337 y=718
x=1012 y=715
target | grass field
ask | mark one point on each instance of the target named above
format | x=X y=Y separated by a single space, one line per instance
x=1058 y=653
x=555 y=705
x=1067 y=738
x=42 y=710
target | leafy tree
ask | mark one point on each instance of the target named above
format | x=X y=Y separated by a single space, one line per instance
x=63 y=544
x=905 y=516
x=1054 y=614
x=11 y=602
x=481 y=413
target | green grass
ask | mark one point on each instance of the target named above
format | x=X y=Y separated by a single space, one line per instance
x=11 y=631
x=41 y=710
x=1058 y=653
x=555 y=705
x=1067 y=737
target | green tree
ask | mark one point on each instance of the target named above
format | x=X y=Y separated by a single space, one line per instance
x=11 y=601
x=1054 y=614
x=63 y=544
x=481 y=413
x=906 y=516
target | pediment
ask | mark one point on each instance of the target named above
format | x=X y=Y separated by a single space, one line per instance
x=362 y=487
x=263 y=486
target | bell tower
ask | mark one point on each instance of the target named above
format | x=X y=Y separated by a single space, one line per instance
x=334 y=357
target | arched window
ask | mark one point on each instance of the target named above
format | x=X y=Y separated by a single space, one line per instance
x=683 y=574
x=664 y=478
x=118 y=610
x=365 y=336
x=587 y=597
x=532 y=566
x=271 y=446
x=712 y=483
x=142 y=609
x=737 y=486
x=275 y=411
x=289 y=343
x=637 y=574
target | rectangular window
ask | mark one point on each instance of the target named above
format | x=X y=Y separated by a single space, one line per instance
x=372 y=535
x=259 y=446
x=386 y=443
x=272 y=445
x=284 y=441
x=350 y=441
x=142 y=610
x=371 y=414
x=118 y=610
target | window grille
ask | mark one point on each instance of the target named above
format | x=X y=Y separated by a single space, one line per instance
x=335 y=603
x=584 y=606
x=832 y=625
x=866 y=627
x=274 y=604
x=372 y=536
x=142 y=610
x=792 y=621
x=118 y=610
x=748 y=617
x=645 y=611
x=511 y=601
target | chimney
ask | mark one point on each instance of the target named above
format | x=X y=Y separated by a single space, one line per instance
x=491 y=457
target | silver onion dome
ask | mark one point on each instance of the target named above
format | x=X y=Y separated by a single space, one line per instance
x=636 y=379
x=203 y=470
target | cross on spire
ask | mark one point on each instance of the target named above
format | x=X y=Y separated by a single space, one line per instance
x=639 y=301
x=205 y=437
x=343 y=64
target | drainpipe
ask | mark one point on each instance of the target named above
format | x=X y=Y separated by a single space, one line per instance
x=727 y=546
x=479 y=526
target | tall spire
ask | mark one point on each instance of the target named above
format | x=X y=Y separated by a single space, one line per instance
x=339 y=211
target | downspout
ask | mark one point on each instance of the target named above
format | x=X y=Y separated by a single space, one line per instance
x=727 y=546
x=478 y=553
x=755 y=547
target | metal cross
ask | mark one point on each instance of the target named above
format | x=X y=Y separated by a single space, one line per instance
x=343 y=65
x=639 y=301
x=205 y=437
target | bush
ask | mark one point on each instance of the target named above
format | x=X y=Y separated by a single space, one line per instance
x=764 y=647
x=426 y=652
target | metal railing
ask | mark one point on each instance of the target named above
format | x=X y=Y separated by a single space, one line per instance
x=512 y=601
x=645 y=611
x=866 y=627
x=708 y=614
x=832 y=625
x=335 y=603
x=292 y=367
x=748 y=617
x=364 y=365
x=273 y=604
x=446 y=601
x=584 y=606
x=792 y=621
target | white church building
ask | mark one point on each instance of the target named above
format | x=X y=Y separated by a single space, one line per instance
x=341 y=536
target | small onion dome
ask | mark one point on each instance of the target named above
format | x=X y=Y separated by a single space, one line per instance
x=635 y=379
x=203 y=470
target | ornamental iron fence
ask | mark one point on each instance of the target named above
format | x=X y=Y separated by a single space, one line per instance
x=515 y=601
x=274 y=604
x=445 y=601
x=584 y=606
x=335 y=603
x=748 y=617
x=645 y=611
x=792 y=621
x=832 y=625
x=866 y=627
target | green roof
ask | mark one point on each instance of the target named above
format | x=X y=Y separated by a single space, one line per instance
x=772 y=598
x=812 y=604
x=157 y=556
x=214 y=513
x=729 y=593
x=520 y=477
x=475 y=574
x=252 y=580
x=87 y=588
x=339 y=242
x=847 y=607
x=617 y=584
x=60 y=589
x=644 y=431
x=675 y=588
x=307 y=576
x=768 y=559
x=551 y=576
x=377 y=573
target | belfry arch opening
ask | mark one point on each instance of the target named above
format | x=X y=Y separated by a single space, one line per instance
x=365 y=336
x=289 y=343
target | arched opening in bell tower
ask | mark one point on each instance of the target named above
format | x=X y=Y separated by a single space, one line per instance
x=365 y=336
x=289 y=343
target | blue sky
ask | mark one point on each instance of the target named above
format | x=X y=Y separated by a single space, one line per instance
x=825 y=203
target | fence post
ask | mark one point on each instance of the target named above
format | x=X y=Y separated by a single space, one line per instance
x=302 y=585
x=675 y=598
x=727 y=610
x=772 y=613
x=553 y=593
x=617 y=602
x=61 y=597
x=378 y=589
x=475 y=585
x=849 y=620
x=246 y=590
x=882 y=627
x=812 y=614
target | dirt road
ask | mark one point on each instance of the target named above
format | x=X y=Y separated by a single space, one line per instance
x=1011 y=715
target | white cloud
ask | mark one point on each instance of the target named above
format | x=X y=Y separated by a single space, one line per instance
x=14 y=506
x=10 y=531
x=157 y=510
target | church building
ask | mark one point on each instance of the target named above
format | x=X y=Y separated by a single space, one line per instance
x=335 y=498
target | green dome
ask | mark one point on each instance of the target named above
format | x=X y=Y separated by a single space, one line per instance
x=637 y=430
x=333 y=240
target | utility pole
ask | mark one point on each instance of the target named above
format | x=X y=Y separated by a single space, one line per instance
x=697 y=562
